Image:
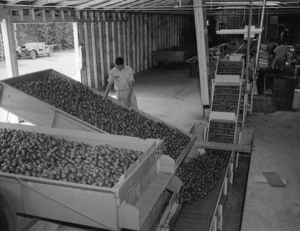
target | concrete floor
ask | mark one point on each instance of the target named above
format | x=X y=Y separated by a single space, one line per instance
x=276 y=149
x=168 y=93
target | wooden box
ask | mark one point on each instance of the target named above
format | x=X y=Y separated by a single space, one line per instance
x=43 y=114
x=126 y=205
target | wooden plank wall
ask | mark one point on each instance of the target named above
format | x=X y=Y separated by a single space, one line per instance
x=2 y=54
x=133 y=36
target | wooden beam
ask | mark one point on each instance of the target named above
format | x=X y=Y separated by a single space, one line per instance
x=45 y=2
x=123 y=3
x=14 y=2
x=78 y=52
x=9 y=44
x=67 y=3
x=224 y=146
x=105 y=4
x=88 y=4
x=158 y=3
x=137 y=3
x=202 y=48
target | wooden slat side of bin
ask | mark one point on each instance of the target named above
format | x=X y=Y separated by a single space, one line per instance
x=43 y=198
x=79 y=203
x=38 y=112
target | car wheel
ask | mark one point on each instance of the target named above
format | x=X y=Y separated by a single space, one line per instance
x=50 y=52
x=32 y=54
x=18 y=55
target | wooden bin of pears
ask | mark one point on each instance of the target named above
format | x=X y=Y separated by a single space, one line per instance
x=43 y=114
x=133 y=203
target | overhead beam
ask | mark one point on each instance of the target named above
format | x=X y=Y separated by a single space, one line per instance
x=111 y=2
x=137 y=3
x=45 y=2
x=122 y=3
x=171 y=3
x=158 y=3
x=68 y=3
x=89 y=4
x=14 y=2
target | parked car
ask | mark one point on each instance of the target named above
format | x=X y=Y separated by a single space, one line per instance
x=33 y=50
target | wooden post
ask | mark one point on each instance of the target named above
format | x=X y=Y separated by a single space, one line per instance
x=107 y=53
x=112 y=35
x=9 y=45
x=124 y=50
x=94 y=51
x=214 y=224
x=202 y=48
x=220 y=216
x=78 y=53
x=117 y=30
x=150 y=25
x=159 y=32
x=138 y=52
x=133 y=44
x=146 y=46
x=141 y=44
x=101 y=61
x=128 y=40
x=153 y=26
x=225 y=186
x=176 y=30
x=154 y=33
x=87 y=51
x=231 y=173
x=237 y=159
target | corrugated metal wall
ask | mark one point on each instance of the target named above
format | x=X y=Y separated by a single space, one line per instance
x=133 y=36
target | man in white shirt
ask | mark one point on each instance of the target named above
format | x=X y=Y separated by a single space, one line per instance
x=122 y=78
x=281 y=53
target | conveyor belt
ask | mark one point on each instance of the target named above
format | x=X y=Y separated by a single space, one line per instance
x=227 y=90
x=197 y=215
x=226 y=98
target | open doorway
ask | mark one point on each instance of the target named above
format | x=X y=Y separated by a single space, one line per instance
x=42 y=46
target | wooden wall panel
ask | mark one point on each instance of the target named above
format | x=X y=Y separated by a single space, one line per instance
x=133 y=36
x=137 y=43
x=100 y=50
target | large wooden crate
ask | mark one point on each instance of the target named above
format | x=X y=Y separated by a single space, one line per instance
x=131 y=203
x=174 y=54
x=43 y=114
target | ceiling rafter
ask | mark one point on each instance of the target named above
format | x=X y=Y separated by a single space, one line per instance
x=71 y=2
x=122 y=3
x=45 y=2
x=212 y=6
x=108 y=3
x=90 y=4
